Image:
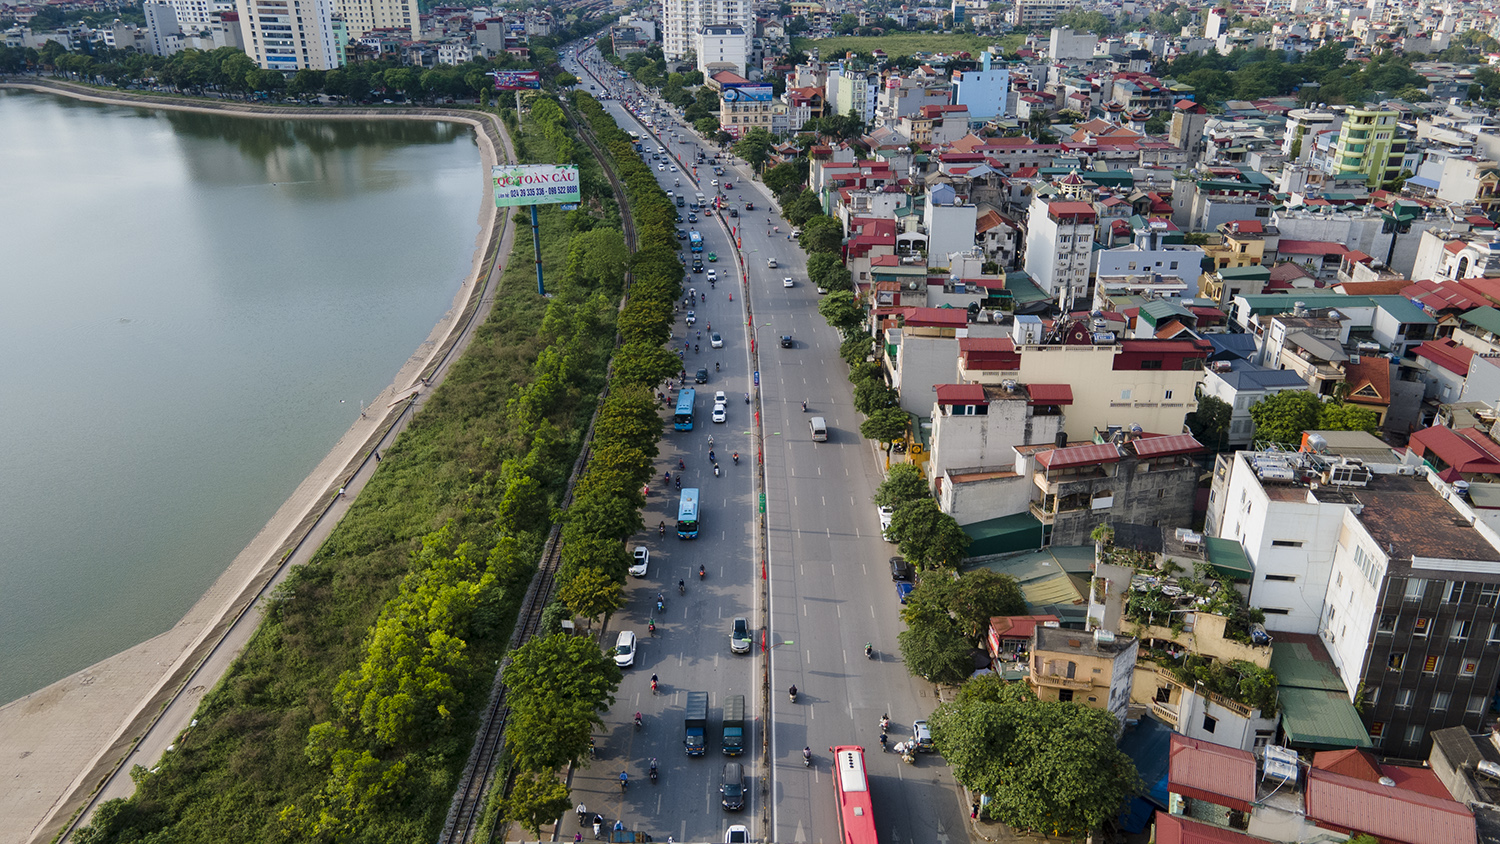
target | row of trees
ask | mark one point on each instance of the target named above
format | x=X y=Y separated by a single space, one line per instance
x=1252 y=74
x=350 y=715
x=560 y=685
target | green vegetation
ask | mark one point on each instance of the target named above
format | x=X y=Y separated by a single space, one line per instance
x=947 y=617
x=1047 y=766
x=1283 y=417
x=1252 y=74
x=1210 y=422
x=906 y=44
x=351 y=712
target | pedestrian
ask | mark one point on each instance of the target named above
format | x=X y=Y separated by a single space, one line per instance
x=974 y=810
x=341 y=492
x=377 y=457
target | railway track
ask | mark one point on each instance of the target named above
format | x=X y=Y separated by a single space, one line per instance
x=477 y=781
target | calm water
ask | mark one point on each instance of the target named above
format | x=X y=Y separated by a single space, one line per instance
x=192 y=308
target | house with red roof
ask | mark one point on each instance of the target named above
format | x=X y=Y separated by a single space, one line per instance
x=1467 y=454
x=1444 y=369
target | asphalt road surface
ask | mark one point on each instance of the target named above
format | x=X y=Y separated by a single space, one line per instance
x=830 y=585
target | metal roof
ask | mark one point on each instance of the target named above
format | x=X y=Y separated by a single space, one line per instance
x=1079 y=455
x=1320 y=719
x=1295 y=666
x=1487 y=318
x=1390 y=814
x=1050 y=393
x=1215 y=773
x=1162 y=446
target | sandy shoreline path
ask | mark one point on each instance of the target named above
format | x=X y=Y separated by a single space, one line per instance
x=71 y=745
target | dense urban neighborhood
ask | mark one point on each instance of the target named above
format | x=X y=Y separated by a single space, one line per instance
x=1164 y=343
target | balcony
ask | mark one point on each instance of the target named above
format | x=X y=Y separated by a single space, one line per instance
x=1059 y=681
x=1042 y=515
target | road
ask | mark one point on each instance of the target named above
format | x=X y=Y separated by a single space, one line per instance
x=830 y=590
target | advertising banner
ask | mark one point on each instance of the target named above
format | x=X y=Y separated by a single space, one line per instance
x=517 y=80
x=535 y=184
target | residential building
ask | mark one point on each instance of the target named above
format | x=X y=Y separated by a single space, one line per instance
x=163 y=34
x=901 y=97
x=1030 y=14
x=721 y=46
x=1128 y=478
x=1066 y=46
x=1370 y=143
x=1059 y=247
x=288 y=36
x=851 y=86
x=1299 y=124
x=1156 y=248
x=1455 y=255
x=1246 y=243
x=682 y=21
x=985 y=91
x=1240 y=384
x=1091 y=669
x=1229 y=282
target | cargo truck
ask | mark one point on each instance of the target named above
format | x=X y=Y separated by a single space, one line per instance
x=734 y=725
x=695 y=725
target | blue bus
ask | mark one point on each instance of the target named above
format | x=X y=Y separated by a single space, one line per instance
x=687 y=514
x=683 y=420
x=695 y=240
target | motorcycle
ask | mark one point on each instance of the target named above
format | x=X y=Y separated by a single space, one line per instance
x=651 y=627
x=661 y=529
x=661 y=604
x=807 y=757
x=637 y=720
x=869 y=651
x=624 y=780
x=885 y=723
x=716 y=470
x=736 y=458
x=792 y=694
x=701 y=572
x=681 y=588
x=653 y=770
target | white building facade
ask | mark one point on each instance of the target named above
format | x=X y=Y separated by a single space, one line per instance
x=684 y=20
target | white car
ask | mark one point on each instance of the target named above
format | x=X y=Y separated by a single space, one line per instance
x=642 y=556
x=885 y=521
x=715 y=340
x=721 y=398
x=625 y=649
x=713 y=275
x=787 y=282
x=721 y=413
x=737 y=834
x=661 y=167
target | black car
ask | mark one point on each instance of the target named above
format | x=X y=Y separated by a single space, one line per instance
x=900 y=569
x=733 y=213
x=681 y=235
x=701 y=376
x=749 y=206
x=786 y=341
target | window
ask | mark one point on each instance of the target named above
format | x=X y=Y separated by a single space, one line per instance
x=1124 y=395
x=1396 y=661
x=1414 y=734
x=1415 y=588
x=1065 y=695
x=1150 y=364
x=1377 y=729
x=1404 y=698
x=1174 y=266
x=1167 y=395
x=1291 y=543
x=1477 y=703
x=1488 y=593
x=1387 y=624
x=1494 y=633
x=1460 y=631
x=1275 y=611
x=1420 y=628
x=1458 y=592
x=1469 y=667
x=1209 y=723
x=1440 y=701
x=1430 y=665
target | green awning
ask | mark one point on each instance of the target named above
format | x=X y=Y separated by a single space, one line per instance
x=1019 y=532
x=1228 y=558
x=1320 y=719
x=1295 y=666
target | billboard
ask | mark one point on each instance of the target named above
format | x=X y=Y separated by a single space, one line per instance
x=516 y=80
x=749 y=94
x=534 y=184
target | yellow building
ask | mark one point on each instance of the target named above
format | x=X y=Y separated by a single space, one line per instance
x=1247 y=243
x=1370 y=143
x=1091 y=669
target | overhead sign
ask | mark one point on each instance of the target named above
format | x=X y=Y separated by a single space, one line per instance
x=516 y=80
x=535 y=184
x=758 y=94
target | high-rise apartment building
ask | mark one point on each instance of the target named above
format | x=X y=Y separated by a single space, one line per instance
x=163 y=35
x=290 y=34
x=361 y=16
x=1370 y=143
x=1059 y=244
x=684 y=20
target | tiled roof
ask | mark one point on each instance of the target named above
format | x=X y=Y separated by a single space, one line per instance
x=1310 y=247
x=1387 y=813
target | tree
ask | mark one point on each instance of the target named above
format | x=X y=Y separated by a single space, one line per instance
x=932 y=645
x=1048 y=766
x=565 y=80
x=821 y=234
x=885 y=426
x=855 y=349
x=1339 y=416
x=537 y=799
x=874 y=395
x=707 y=126
x=1210 y=422
x=826 y=270
x=972 y=599
x=904 y=482
x=802 y=208
x=929 y=538
x=755 y=147
x=786 y=176
x=558 y=685
x=591 y=593
x=1282 y=417
x=840 y=309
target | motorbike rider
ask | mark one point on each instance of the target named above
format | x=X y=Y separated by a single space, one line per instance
x=792 y=692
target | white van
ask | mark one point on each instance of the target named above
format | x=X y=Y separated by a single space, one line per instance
x=819 y=427
x=770 y=262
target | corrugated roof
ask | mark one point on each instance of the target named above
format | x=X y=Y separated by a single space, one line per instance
x=1050 y=394
x=1387 y=813
x=1310 y=247
x=1079 y=455
x=1295 y=666
x=1320 y=719
x=1403 y=309
x=961 y=394
x=1176 y=829
x=1212 y=772
x=1162 y=446
x=1228 y=557
x=1486 y=318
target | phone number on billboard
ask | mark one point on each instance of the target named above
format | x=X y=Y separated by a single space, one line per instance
x=568 y=191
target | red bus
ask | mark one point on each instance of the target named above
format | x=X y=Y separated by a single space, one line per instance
x=851 y=789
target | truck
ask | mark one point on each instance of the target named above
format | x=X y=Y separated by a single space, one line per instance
x=702 y=203
x=695 y=725
x=734 y=725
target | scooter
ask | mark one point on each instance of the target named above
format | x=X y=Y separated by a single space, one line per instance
x=807 y=757
x=792 y=694
x=653 y=770
x=637 y=720
x=701 y=572
x=869 y=651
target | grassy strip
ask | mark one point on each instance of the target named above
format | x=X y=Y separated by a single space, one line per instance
x=470 y=483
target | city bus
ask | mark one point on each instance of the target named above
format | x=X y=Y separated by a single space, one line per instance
x=851 y=790
x=684 y=417
x=695 y=239
x=687 y=528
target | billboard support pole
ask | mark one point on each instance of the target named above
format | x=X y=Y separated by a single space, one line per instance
x=536 y=245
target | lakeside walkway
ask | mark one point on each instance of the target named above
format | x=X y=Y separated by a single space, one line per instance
x=71 y=745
